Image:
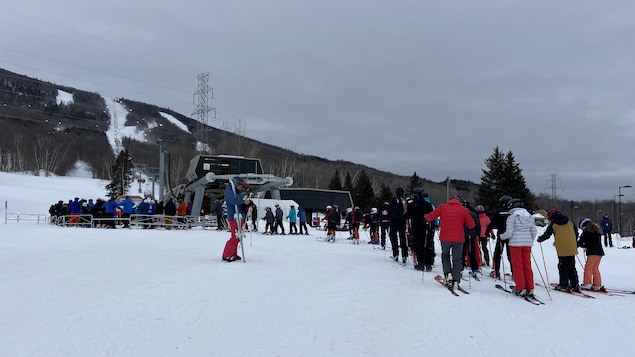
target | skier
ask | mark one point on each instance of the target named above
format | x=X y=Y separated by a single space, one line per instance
x=471 y=246
x=484 y=221
x=499 y=220
x=370 y=221
x=332 y=223
x=418 y=207
x=429 y=244
x=356 y=220
x=520 y=232
x=591 y=241
x=233 y=199
x=397 y=209
x=565 y=235
x=384 y=223
x=453 y=217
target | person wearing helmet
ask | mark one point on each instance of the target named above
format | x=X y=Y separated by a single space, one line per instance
x=356 y=219
x=565 y=235
x=484 y=220
x=333 y=223
x=453 y=218
x=233 y=199
x=471 y=246
x=499 y=222
x=270 y=221
x=384 y=223
x=293 y=219
x=279 y=218
x=418 y=207
x=520 y=232
x=396 y=209
x=370 y=222
x=591 y=241
x=428 y=258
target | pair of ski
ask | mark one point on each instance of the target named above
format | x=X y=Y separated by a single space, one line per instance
x=531 y=300
x=440 y=279
x=575 y=293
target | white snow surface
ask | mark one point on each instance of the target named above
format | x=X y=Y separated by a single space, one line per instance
x=175 y=121
x=131 y=292
x=64 y=97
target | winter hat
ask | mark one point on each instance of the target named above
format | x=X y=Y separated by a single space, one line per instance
x=399 y=191
x=239 y=181
x=584 y=222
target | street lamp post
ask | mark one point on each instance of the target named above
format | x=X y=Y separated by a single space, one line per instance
x=614 y=208
x=619 y=191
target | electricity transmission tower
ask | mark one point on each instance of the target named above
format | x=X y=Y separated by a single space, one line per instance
x=202 y=110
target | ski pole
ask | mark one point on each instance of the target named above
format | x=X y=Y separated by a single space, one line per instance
x=580 y=261
x=502 y=263
x=543 y=279
x=545 y=264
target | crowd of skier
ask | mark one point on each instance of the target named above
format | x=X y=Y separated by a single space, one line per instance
x=410 y=223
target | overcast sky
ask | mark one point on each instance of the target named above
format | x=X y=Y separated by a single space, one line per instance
x=402 y=86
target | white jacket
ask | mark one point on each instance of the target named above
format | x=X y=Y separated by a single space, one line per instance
x=521 y=228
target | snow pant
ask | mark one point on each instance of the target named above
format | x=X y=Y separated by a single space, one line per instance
x=293 y=229
x=428 y=257
x=472 y=253
x=279 y=225
x=418 y=244
x=452 y=259
x=270 y=227
x=483 y=241
x=398 y=228
x=385 y=229
x=355 y=230
x=303 y=228
x=498 y=254
x=568 y=273
x=592 y=270
x=608 y=240
x=231 y=247
x=374 y=235
x=521 y=263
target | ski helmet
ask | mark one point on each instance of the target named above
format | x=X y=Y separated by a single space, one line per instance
x=373 y=210
x=552 y=213
x=328 y=207
x=479 y=208
x=503 y=200
x=514 y=203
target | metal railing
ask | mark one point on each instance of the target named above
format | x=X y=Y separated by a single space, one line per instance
x=26 y=217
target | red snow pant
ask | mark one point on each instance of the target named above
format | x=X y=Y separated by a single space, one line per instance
x=521 y=266
x=231 y=247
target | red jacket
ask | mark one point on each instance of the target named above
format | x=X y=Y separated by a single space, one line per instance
x=452 y=218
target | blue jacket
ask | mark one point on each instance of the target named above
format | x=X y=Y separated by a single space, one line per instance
x=232 y=199
x=606 y=225
x=111 y=207
x=126 y=205
x=302 y=215
x=293 y=217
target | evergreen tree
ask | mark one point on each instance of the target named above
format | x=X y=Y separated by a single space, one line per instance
x=336 y=182
x=502 y=176
x=385 y=194
x=122 y=175
x=348 y=183
x=363 y=194
x=415 y=181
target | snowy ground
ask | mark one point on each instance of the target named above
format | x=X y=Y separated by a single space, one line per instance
x=97 y=292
